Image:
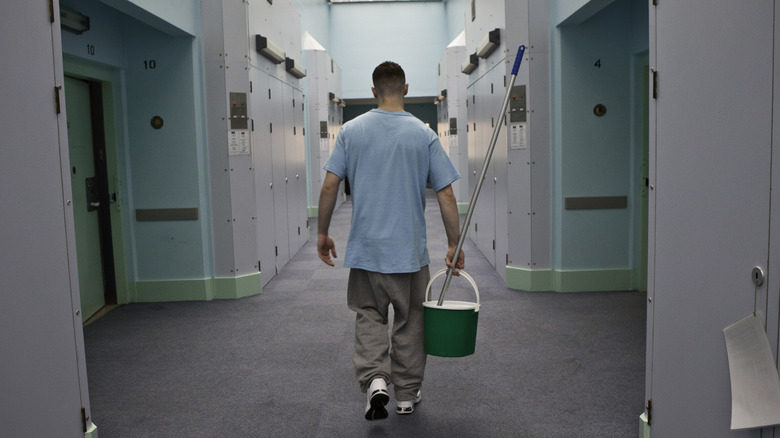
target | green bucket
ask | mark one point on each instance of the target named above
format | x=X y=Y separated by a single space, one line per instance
x=450 y=329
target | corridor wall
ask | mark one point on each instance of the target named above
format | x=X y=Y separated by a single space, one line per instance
x=256 y=140
x=150 y=65
x=511 y=223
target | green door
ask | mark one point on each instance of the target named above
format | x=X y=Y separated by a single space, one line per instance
x=85 y=200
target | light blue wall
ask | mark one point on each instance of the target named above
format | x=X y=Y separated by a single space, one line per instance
x=176 y=17
x=364 y=35
x=162 y=168
x=456 y=16
x=315 y=19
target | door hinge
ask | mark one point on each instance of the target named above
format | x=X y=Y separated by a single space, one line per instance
x=250 y=86
x=253 y=125
x=299 y=231
x=259 y=266
x=276 y=249
x=494 y=244
x=51 y=11
x=649 y=409
x=655 y=2
x=271 y=125
x=84 y=419
x=655 y=83
x=57 y=91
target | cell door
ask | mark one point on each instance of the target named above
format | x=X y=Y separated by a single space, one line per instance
x=710 y=174
x=88 y=174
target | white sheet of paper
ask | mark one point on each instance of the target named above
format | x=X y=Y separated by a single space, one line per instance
x=755 y=384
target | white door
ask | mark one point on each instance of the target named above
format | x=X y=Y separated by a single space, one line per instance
x=710 y=168
x=43 y=379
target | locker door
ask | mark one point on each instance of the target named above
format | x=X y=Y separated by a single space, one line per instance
x=293 y=156
x=472 y=141
x=300 y=178
x=485 y=209
x=262 y=156
x=281 y=217
x=501 y=232
x=711 y=150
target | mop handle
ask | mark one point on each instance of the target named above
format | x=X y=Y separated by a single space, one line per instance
x=480 y=180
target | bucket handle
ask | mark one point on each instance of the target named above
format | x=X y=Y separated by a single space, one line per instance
x=463 y=274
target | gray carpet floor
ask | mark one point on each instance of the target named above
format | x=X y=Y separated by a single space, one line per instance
x=279 y=364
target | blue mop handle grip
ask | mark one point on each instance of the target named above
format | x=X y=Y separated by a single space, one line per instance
x=518 y=59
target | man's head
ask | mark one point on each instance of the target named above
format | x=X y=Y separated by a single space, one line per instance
x=389 y=80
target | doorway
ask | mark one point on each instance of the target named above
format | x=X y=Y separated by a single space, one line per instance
x=91 y=197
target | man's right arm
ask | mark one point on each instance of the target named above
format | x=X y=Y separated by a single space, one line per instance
x=328 y=196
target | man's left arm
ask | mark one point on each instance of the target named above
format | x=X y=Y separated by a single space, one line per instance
x=448 y=206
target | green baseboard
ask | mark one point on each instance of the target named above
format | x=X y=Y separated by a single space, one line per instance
x=569 y=280
x=313 y=211
x=238 y=287
x=463 y=207
x=198 y=289
x=644 y=426
x=91 y=432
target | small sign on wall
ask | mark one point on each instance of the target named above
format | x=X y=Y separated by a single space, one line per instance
x=238 y=142
x=518 y=136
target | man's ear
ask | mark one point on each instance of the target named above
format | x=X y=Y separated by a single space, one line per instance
x=373 y=91
x=406 y=89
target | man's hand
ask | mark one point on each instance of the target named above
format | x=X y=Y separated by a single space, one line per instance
x=461 y=260
x=325 y=247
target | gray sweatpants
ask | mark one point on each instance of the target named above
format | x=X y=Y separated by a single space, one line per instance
x=369 y=294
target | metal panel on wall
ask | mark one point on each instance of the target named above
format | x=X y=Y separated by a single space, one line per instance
x=711 y=150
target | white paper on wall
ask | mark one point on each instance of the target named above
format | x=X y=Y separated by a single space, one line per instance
x=755 y=384
x=238 y=142
x=518 y=136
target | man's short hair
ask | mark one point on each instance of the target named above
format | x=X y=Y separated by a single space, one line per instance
x=389 y=78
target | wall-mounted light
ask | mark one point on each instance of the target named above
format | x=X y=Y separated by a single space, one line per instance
x=489 y=43
x=267 y=48
x=472 y=61
x=333 y=98
x=294 y=68
x=442 y=94
x=73 y=21
x=342 y=103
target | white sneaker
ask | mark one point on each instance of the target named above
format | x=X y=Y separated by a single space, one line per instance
x=406 y=407
x=377 y=399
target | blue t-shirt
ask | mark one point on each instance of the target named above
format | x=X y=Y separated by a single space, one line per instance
x=389 y=158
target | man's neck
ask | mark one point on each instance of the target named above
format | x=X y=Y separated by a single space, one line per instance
x=392 y=105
